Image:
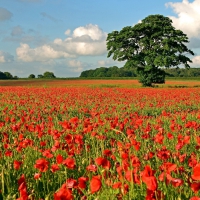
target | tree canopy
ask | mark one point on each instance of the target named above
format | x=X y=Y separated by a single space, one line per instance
x=150 y=45
x=31 y=76
x=49 y=75
x=6 y=75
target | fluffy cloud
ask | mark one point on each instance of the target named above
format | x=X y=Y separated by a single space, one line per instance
x=5 y=14
x=86 y=40
x=196 y=61
x=188 y=19
x=75 y=65
x=67 y=32
x=109 y=63
x=93 y=31
x=5 y=57
x=43 y=53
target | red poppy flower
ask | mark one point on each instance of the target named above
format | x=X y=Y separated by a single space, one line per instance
x=22 y=188
x=37 y=176
x=195 y=187
x=196 y=172
x=176 y=182
x=8 y=153
x=54 y=168
x=95 y=184
x=17 y=164
x=71 y=183
x=42 y=165
x=47 y=153
x=69 y=163
x=59 y=159
x=74 y=120
x=92 y=168
x=117 y=185
x=195 y=198
x=63 y=194
x=149 y=179
x=82 y=182
x=103 y=162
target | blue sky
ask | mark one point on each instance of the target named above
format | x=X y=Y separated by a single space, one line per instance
x=69 y=36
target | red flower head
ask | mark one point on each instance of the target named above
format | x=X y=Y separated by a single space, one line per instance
x=82 y=182
x=63 y=194
x=69 y=163
x=54 y=168
x=195 y=198
x=37 y=176
x=22 y=188
x=59 y=159
x=196 y=173
x=42 y=165
x=149 y=179
x=17 y=164
x=92 y=168
x=103 y=162
x=95 y=184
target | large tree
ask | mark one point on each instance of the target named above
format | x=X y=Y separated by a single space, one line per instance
x=150 y=45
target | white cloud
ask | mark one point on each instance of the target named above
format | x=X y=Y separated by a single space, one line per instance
x=110 y=63
x=85 y=41
x=188 y=19
x=5 y=14
x=67 y=32
x=102 y=63
x=43 y=53
x=93 y=31
x=196 y=61
x=75 y=65
x=5 y=57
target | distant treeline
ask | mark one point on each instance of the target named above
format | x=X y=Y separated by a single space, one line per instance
x=113 y=72
x=123 y=72
x=108 y=72
x=7 y=75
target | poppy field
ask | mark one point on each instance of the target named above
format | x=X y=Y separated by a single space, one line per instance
x=87 y=143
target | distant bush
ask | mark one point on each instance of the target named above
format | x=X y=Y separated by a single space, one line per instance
x=31 y=76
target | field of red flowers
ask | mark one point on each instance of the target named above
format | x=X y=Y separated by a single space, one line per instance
x=67 y=143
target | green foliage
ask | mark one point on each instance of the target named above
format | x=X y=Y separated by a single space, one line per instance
x=15 y=77
x=6 y=75
x=2 y=75
x=40 y=76
x=108 y=72
x=149 y=45
x=49 y=75
x=181 y=72
x=31 y=76
x=147 y=77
